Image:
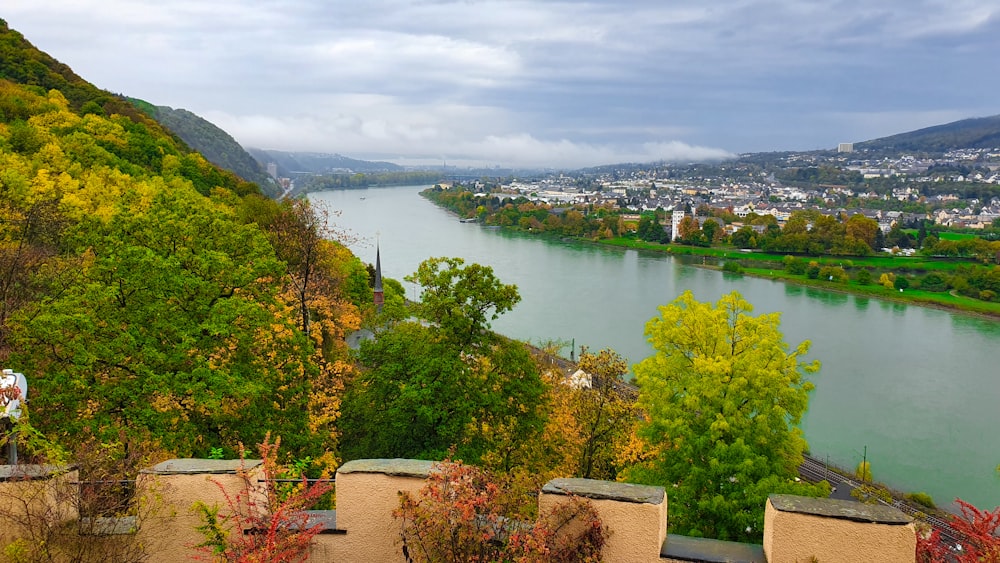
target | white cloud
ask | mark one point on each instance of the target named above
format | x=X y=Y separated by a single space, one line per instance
x=512 y=81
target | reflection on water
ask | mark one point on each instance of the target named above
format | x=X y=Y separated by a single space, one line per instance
x=685 y=273
x=793 y=290
x=970 y=324
x=861 y=303
x=828 y=297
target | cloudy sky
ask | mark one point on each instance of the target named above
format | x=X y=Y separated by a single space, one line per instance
x=537 y=82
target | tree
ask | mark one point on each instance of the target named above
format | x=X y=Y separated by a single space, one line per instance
x=745 y=237
x=723 y=395
x=687 y=229
x=712 y=231
x=862 y=228
x=605 y=413
x=172 y=333
x=462 y=300
x=426 y=389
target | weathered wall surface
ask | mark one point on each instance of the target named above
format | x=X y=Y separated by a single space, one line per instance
x=800 y=529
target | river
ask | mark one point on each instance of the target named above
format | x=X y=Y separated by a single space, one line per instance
x=919 y=387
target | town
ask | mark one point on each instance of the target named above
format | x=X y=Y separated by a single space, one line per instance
x=958 y=189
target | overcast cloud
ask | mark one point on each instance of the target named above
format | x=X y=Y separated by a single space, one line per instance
x=536 y=82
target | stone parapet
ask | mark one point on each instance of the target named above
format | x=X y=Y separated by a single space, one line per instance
x=367 y=492
x=177 y=486
x=35 y=495
x=635 y=515
x=807 y=529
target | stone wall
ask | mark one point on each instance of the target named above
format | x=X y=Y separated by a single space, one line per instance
x=367 y=491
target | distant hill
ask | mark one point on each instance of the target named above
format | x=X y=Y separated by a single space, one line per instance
x=976 y=133
x=219 y=147
x=291 y=164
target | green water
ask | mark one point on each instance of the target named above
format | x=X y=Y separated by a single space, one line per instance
x=919 y=387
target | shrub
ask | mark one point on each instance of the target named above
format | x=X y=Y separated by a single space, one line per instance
x=979 y=527
x=987 y=295
x=864 y=276
x=901 y=282
x=834 y=274
x=812 y=272
x=732 y=267
x=933 y=282
x=923 y=499
x=794 y=265
x=464 y=514
x=280 y=529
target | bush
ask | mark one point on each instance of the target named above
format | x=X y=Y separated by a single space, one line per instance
x=923 y=499
x=834 y=274
x=463 y=514
x=812 y=272
x=901 y=282
x=979 y=527
x=864 y=277
x=733 y=267
x=279 y=528
x=794 y=265
x=933 y=282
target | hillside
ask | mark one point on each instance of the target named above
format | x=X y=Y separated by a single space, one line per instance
x=219 y=147
x=975 y=133
x=292 y=164
x=147 y=294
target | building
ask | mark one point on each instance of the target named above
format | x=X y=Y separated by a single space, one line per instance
x=675 y=223
x=845 y=147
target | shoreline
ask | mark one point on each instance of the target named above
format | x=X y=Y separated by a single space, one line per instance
x=784 y=278
x=692 y=251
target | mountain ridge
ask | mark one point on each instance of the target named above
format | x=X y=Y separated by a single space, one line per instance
x=970 y=133
x=213 y=142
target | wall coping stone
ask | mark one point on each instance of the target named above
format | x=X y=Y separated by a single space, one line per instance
x=188 y=466
x=394 y=467
x=32 y=472
x=842 y=509
x=605 y=490
x=707 y=550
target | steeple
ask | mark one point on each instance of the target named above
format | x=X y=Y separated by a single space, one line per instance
x=379 y=296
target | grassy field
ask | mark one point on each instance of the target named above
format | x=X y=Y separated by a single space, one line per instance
x=945 y=235
x=770 y=266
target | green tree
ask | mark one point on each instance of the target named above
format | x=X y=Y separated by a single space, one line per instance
x=724 y=395
x=170 y=333
x=745 y=237
x=462 y=300
x=425 y=389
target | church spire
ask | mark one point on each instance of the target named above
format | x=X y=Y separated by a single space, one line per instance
x=379 y=296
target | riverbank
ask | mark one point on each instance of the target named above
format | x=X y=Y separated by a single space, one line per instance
x=771 y=266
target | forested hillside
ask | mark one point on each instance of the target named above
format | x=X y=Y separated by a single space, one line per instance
x=153 y=300
x=976 y=133
x=219 y=147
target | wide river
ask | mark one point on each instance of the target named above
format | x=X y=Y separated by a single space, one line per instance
x=919 y=387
